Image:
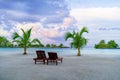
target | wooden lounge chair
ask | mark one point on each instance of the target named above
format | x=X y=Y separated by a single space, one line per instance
x=53 y=57
x=41 y=57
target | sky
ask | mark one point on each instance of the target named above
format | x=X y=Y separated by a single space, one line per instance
x=51 y=19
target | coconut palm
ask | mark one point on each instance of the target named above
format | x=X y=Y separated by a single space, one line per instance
x=24 y=41
x=78 y=41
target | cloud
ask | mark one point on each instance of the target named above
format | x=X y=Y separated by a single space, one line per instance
x=37 y=7
x=33 y=11
x=49 y=19
x=93 y=3
x=54 y=34
x=68 y=21
x=96 y=14
x=102 y=22
x=5 y=29
x=3 y=32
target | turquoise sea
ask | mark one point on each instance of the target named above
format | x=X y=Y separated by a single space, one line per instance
x=64 y=51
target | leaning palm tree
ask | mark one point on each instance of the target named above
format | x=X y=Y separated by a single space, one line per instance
x=24 y=41
x=78 y=41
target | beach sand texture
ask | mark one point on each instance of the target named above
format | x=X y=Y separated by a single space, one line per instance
x=22 y=67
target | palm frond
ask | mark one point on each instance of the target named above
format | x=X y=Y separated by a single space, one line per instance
x=84 y=29
x=16 y=35
x=36 y=41
x=68 y=35
x=24 y=36
x=28 y=33
x=83 y=42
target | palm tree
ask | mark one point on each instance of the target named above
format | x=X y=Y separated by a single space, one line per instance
x=24 y=41
x=78 y=41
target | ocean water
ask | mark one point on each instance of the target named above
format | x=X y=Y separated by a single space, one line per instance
x=64 y=51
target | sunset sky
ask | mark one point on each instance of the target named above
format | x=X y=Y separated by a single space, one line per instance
x=51 y=19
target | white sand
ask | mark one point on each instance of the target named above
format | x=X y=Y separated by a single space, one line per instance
x=19 y=67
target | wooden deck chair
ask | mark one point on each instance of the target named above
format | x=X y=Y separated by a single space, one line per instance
x=53 y=57
x=41 y=56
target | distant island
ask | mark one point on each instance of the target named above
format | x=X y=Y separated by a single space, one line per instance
x=109 y=45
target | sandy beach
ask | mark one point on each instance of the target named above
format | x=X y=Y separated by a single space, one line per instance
x=22 y=67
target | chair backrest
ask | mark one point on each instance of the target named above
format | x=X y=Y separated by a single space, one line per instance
x=52 y=55
x=41 y=54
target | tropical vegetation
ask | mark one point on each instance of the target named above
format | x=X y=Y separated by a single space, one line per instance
x=109 y=44
x=78 y=41
x=24 y=40
x=54 y=46
x=4 y=42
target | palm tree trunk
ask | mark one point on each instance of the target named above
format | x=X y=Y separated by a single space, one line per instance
x=78 y=52
x=25 y=49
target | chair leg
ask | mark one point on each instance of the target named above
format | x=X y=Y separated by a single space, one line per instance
x=44 y=61
x=47 y=61
x=35 y=61
x=56 y=62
